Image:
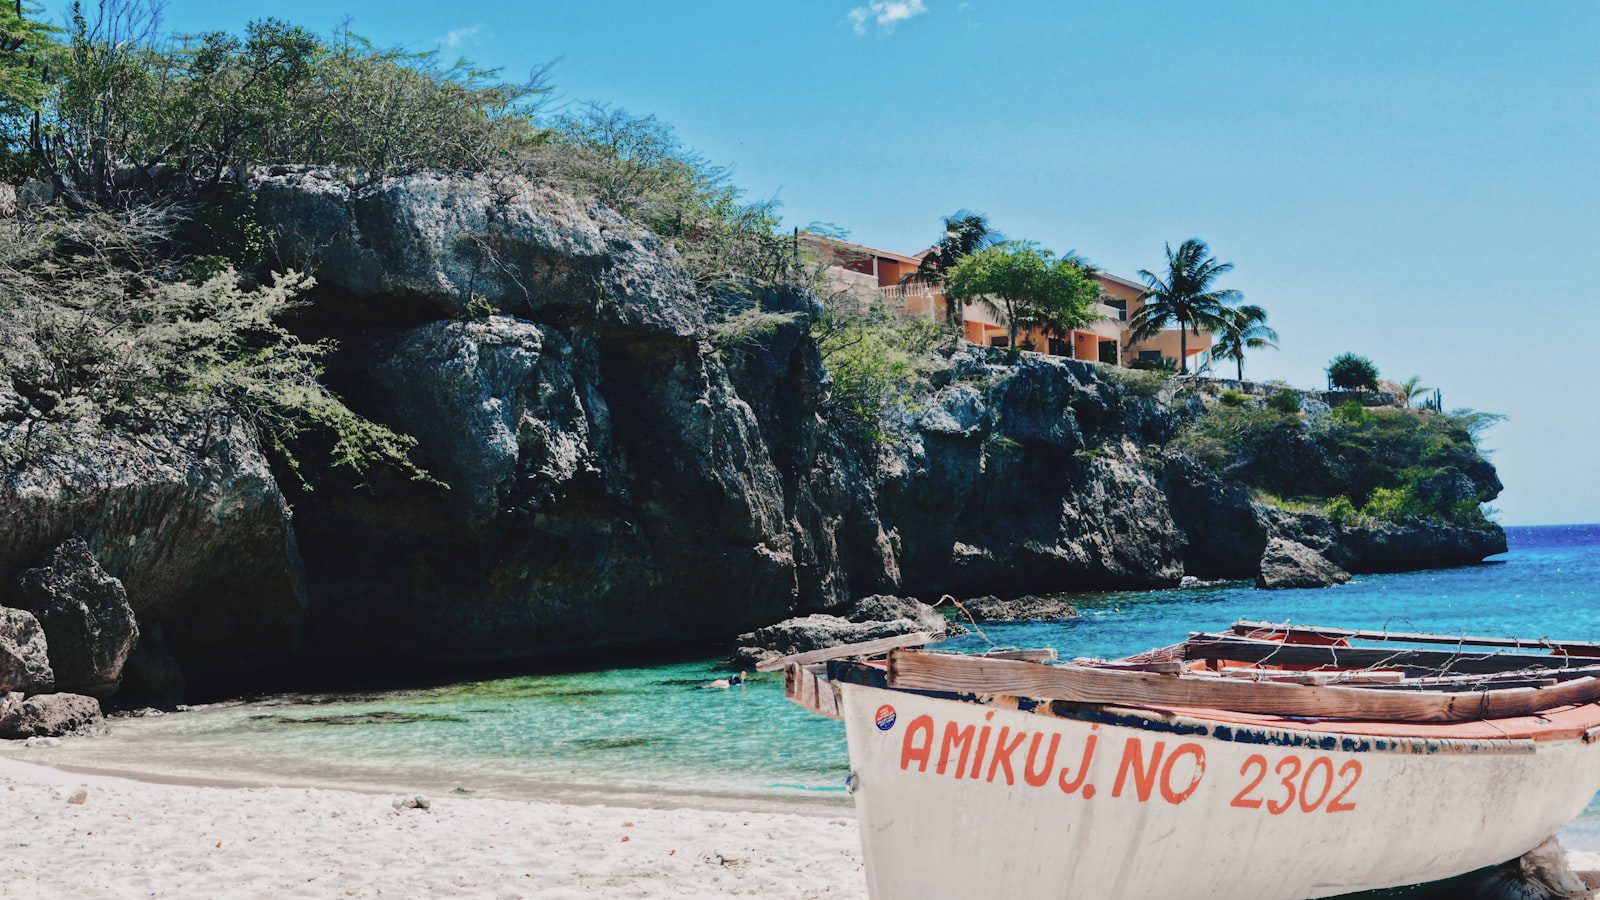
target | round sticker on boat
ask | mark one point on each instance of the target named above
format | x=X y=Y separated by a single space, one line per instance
x=885 y=717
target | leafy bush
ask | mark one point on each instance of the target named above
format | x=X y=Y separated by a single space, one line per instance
x=879 y=366
x=1351 y=412
x=1158 y=364
x=128 y=111
x=1284 y=402
x=1391 y=504
x=1387 y=463
x=748 y=325
x=1232 y=397
x=1341 y=510
x=97 y=330
x=1349 y=372
x=1139 y=383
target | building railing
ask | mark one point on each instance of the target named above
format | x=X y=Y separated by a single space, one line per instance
x=1114 y=313
x=910 y=290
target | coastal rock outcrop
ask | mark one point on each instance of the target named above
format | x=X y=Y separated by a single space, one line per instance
x=1028 y=477
x=446 y=242
x=48 y=715
x=869 y=619
x=84 y=612
x=1026 y=608
x=610 y=469
x=1287 y=564
x=24 y=655
x=187 y=516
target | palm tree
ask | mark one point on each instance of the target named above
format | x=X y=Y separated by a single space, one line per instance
x=965 y=232
x=1183 y=296
x=1245 y=329
x=1410 y=389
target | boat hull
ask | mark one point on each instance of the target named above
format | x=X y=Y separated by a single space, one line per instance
x=1007 y=798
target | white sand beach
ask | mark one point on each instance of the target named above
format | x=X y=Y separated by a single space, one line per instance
x=129 y=838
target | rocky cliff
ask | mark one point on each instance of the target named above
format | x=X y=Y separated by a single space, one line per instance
x=609 y=475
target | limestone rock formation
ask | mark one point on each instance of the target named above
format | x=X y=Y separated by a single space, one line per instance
x=1029 y=478
x=85 y=615
x=871 y=618
x=445 y=241
x=187 y=516
x=1287 y=564
x=1026 y=608
x=618 y=475
x=50 y=715
x=24 y=654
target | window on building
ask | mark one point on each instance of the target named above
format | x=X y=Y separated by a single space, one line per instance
x=1150 y=355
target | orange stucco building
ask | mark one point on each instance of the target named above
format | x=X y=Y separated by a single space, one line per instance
x=874 y=275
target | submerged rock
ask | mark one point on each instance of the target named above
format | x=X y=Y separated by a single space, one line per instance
x=1027 y=608
x=1286 y=564
x=87 y=622
x=50 y=715
x=24 y=654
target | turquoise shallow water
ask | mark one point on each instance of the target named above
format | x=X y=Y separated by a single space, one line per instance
x=656 y=728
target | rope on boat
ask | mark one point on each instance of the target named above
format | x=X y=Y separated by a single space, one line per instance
x=1447 y=669
x=970 y=620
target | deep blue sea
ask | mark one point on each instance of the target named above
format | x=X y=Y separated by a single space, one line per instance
x=656 y=728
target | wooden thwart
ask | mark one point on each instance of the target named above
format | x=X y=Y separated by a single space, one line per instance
x=1250 y=650
x=865 y=648
x=1574 y=648
x=912 y=670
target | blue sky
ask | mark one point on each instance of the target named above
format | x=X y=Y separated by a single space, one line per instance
x=1418 y=182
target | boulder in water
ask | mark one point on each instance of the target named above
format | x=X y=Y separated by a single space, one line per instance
x=868 y=619
x=1287 y=564
x=1027 y=608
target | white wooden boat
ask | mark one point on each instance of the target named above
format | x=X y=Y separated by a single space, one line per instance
x=1268 y=762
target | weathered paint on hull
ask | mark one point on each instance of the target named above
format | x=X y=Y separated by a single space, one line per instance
x=1120 y=812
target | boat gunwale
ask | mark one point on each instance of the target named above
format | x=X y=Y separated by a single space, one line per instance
x=1350 y=736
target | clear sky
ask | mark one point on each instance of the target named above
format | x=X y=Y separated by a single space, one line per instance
x=1418 y=182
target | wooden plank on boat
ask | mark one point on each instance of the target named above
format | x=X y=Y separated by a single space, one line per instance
x=1490 y=684
x=828 y=699
x=1357 y=676
x=1041 y=654
x=1163 y=666
x=865 y=648
x=1250 y=650
x=1262 y=629
x=912 y=670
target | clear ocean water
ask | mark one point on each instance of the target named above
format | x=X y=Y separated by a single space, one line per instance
x=656 y=729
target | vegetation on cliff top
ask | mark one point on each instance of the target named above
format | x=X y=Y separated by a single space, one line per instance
x=135 y=280
x=1384 y=462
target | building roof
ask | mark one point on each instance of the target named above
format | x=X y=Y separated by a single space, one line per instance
x=863 y=249
x=1125 y=282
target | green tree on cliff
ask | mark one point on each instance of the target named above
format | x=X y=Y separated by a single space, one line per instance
x=1025 y=285
x=965 y=233
x=1185 y=296
x=1245 y=329
x=1350 y=372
